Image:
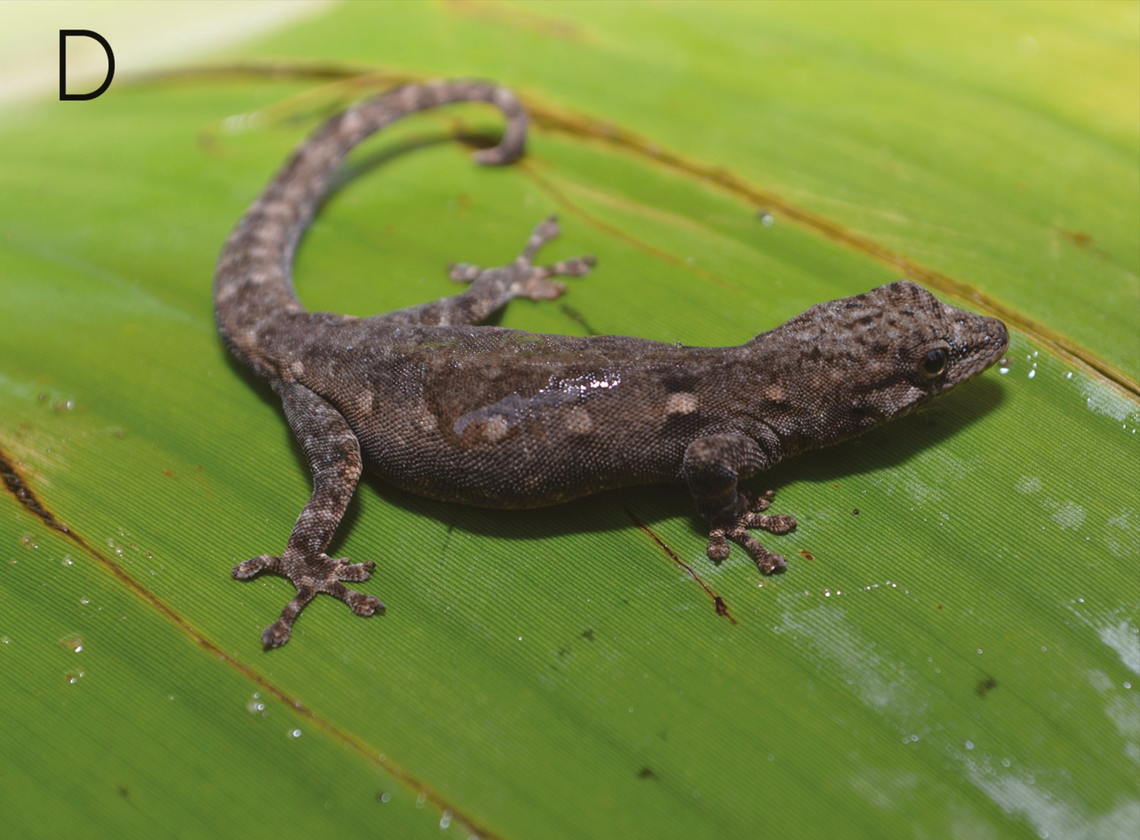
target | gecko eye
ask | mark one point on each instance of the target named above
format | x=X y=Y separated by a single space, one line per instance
x=933 y=364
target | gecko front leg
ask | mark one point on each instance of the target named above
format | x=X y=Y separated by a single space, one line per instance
x=333 y=453
x=712 y=466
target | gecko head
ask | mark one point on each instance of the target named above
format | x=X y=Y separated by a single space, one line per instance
x=866 y=359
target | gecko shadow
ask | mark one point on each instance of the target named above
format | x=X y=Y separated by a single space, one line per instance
x=886 y=447
x=362 y=164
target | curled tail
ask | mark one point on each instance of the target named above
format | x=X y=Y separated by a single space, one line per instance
x=253 y=280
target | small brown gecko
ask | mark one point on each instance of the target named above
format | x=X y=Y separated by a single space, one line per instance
x=509 y=419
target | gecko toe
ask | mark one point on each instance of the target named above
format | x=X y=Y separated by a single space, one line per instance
x=353 y=571
x=768 y=562
x=757 y=502
x=255 y=566
x=718 y=545
x=463 y=272
x=276 y=634
x=544 y=231
x=364 y=605
x=778 y=523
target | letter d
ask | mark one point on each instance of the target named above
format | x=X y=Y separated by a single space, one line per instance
x=87 y=33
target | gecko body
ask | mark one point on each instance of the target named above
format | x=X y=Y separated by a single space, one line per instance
x=438 y=405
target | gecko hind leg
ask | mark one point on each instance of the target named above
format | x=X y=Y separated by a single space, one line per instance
x=492 y=288
x=522 y=278
x=333 y=453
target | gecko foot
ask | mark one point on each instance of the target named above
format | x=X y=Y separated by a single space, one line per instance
x=524 y=279
x=310 y=578
x=766 y=561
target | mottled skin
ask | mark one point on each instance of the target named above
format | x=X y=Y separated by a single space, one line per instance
x=510 y=419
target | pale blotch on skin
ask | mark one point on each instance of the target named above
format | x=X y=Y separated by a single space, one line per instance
x=683 y=403
x=775 y=393
x=496 y=428
x=428 y=422
x=578 y=421
x=297 y=369
x=365 y=401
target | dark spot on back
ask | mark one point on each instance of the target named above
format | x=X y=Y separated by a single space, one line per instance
x=679 y=383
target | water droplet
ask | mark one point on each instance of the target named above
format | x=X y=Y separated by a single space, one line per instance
x=256 y=706
x=421 y=799
x=765 y=218
x=384 y=796
x=296 y=733
x=445 y=820
x=74 y=642
x=969 y=745
x=1032 y=373
x=27 y=542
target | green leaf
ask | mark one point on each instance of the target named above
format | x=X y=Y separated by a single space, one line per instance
x=958 y=658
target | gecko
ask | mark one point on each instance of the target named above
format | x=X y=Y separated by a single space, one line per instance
x=439 y=405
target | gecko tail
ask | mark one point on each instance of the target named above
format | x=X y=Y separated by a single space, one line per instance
x=253 y=282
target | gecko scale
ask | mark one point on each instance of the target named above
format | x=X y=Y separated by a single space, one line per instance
x=503 y=418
